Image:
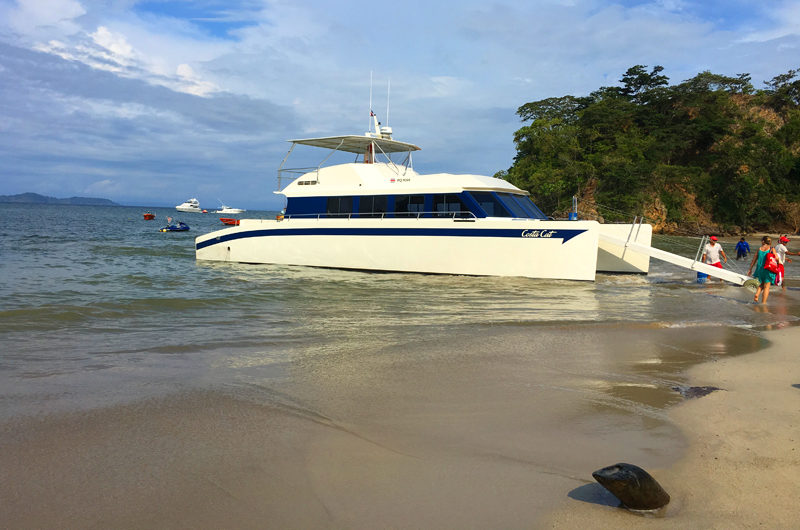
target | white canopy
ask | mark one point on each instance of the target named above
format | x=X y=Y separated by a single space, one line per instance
x=358 y=144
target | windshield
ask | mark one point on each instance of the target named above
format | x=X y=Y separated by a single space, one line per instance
x=490 y=204
x=521 y=205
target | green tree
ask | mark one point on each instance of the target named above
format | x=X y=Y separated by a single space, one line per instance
x=713 y=137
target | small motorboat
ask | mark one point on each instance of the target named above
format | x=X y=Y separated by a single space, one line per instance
x=229 y=221
x=180 y=226
x=228 y=209
x=149 y=216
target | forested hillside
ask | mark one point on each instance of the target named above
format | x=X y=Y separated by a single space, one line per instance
x=712 y=153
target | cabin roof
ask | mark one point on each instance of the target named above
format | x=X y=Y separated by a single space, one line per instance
x=357 y=144
x=357 y=178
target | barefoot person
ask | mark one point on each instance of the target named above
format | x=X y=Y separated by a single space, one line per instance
x=765 y=278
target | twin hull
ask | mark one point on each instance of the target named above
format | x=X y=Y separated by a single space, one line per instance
x=483 y=247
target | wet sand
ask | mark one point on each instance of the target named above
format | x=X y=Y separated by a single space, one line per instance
x=742 y=467
x=381 y=440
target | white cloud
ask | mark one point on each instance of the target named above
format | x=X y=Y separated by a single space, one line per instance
x=192 y=83
x=786 y=20
x=111 y=51
x=448 y=86
x=34 y=16
x=118 y=48
x=103 y=188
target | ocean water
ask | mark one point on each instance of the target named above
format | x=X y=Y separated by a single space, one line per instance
x=328 y=398
x=98 y=308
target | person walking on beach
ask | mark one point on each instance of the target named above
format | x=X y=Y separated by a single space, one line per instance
x=712 y=252
x=742 y=249
x=781 y=251
x=765 y=278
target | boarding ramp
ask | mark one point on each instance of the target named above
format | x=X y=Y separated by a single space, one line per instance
x=675 y=259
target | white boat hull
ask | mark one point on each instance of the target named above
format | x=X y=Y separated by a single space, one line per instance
x=613 y=257
x=192 y=206
x=481 y=247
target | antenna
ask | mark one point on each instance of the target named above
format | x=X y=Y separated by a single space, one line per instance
x=384 y=130
x=369 y=126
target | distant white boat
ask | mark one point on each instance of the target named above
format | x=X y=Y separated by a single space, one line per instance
x=192 y=205
x=228 y=209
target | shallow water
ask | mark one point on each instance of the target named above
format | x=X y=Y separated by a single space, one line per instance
x=95 y=296
x=532 y=379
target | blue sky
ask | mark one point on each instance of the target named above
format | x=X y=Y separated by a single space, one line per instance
x=149 y=103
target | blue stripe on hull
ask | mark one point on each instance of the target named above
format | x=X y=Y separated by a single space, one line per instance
x=565 y=235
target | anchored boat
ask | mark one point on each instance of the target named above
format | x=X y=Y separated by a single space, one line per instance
x=379 y=214
x=228 y=209
x=191 y=205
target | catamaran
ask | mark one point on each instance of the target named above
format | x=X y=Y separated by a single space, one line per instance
x=376 y=214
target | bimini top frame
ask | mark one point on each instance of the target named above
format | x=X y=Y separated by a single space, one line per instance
x=366 y=145
x=358 y=144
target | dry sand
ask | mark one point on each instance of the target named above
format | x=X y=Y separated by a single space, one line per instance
x=742 y=468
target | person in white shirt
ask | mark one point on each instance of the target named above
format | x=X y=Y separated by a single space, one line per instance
x=712 y=252
x=781 y=251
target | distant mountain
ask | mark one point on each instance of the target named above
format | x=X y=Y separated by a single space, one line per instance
x=35 y=198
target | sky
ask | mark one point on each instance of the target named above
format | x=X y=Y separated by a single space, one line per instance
x=150 y=103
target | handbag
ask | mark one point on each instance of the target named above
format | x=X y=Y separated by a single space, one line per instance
x=771 y=262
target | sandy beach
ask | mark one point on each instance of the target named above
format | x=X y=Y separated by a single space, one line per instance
x=742 y=466
x=407 y=449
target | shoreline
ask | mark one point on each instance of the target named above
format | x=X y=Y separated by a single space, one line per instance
x=741 y=468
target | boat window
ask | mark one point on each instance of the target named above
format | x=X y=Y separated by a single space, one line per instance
x=528 y=210
x=306 y=205
x=512 y=205
x=449 y=205
x=530 y=206
x=372 y=206
x=409 y=205
x=340 y=206
x=490 y=204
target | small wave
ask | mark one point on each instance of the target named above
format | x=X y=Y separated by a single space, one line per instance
x=164 y=252
x=43 y=317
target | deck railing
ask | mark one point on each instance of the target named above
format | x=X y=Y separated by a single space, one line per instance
x=461 y=214
x=289 y=174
